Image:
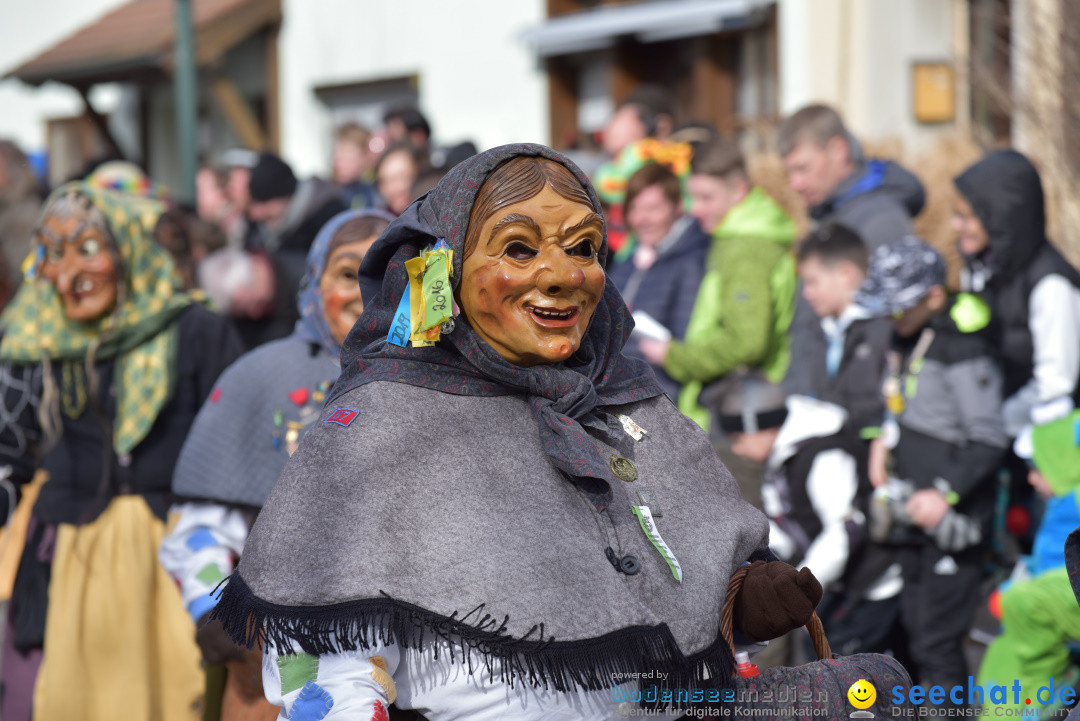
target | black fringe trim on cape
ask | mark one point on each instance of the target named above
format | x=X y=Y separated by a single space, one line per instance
x=479 y=640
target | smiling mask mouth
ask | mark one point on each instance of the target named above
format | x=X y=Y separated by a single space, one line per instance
x=554 y=315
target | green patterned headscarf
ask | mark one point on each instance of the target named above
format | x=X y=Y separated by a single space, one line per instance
x=140 y=333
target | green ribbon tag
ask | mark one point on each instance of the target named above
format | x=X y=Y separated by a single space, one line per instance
x=645 y=518
x=438 y=306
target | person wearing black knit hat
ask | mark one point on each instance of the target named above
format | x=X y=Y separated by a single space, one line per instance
x=271 y=178
x=289 y=214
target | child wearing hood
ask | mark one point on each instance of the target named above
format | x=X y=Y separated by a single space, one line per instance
x=1038 y=611
x=1033 y=293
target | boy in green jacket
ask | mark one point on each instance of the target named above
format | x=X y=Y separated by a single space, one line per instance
x=747 y=298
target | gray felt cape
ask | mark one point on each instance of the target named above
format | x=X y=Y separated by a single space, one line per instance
x=261 y=405
x=433 y=518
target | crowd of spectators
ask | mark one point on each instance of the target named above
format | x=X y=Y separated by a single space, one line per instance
x=885 y=421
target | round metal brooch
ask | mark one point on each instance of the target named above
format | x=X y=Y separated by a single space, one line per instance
x=623 y=468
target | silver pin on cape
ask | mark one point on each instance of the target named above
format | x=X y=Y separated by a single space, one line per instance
x=447 y=326
x=632 y=429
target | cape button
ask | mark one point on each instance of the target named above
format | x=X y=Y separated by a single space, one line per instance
x=627 y=564
x=623 y=468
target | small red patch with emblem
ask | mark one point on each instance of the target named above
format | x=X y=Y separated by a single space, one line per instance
x=215 y=396
x=380 y=713
x=299 y=396
x=342 y=416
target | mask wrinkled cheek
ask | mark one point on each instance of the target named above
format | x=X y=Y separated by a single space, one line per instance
x=333 y=302
x=481 y=291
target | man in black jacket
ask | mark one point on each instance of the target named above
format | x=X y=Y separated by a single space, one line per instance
x=289 y=215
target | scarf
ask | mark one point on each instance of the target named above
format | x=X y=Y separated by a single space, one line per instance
x=564 y=397
x=312 y=325
x=140 y=334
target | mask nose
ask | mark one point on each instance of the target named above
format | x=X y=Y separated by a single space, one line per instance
x=558 y=272
x=65 y=276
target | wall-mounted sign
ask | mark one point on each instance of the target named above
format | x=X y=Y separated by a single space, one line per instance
x=933 y=92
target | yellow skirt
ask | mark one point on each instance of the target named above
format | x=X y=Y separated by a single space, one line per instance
x=118 y=642
x=13 y=535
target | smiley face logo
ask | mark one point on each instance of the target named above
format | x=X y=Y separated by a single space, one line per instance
x=862 y=694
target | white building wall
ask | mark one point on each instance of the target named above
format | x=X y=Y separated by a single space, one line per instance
x=477 y=81
x=808 y=62
x=857 y=55
x=26 y=29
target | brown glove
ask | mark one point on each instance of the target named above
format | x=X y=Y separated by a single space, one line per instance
x=775 y=598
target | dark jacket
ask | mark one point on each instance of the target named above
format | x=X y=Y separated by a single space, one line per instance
x=877 y=201
x=75 y=493
x=314 y=203
x=951 y=426
x=857 y=384
x=667 y=290
x=1006 y=194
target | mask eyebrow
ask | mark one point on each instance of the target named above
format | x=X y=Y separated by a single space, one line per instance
x=50 y=236
x=348 y=256
x=55 y=238
x=516 y=218
x=590 y=219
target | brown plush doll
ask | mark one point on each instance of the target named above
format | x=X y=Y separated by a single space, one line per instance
x=775 y=598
